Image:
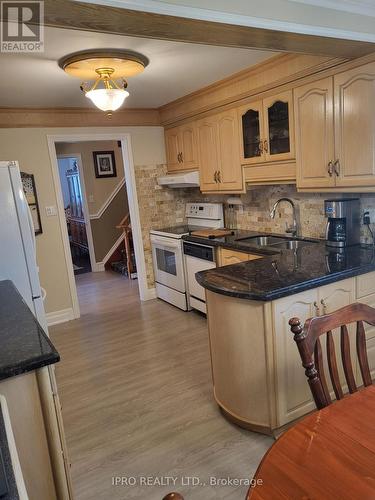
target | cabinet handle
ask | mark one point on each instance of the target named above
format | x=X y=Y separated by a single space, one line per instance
x=215 y=176
x=261 y=147
x=219 y=176
x=330 y=168
x=324 y=306
x=317 y=310
x=336 y=167
x=182 y=157
x=265 y=145
x=178 y=157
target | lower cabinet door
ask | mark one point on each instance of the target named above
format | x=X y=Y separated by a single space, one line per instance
x=294 y=398
x=333 y=297
x=365 y=283
x=227 y=257
x=370 y=344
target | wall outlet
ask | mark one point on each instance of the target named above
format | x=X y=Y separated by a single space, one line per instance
x=51 y=211
x=91 y=198
x=371 y=214
x=366 y=218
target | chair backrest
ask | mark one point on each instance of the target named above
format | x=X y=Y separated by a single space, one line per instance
x=307 y=339
x=173 y=496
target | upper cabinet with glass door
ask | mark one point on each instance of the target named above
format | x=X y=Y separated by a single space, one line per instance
x=267 y=129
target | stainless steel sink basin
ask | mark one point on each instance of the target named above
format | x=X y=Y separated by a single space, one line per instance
x=278 y=242
x=262 y=241
x=292 y=244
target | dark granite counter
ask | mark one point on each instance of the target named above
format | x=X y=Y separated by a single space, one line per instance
x=235 y=241
x=23 y=344
x=288 y=272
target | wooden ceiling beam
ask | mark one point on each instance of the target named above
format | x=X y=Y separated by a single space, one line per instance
x=77 y=117
x=98 y=18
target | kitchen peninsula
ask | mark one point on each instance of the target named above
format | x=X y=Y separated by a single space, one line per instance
x=26 y=352
x=259 y=382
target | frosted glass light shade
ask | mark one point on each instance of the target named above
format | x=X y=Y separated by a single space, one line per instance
x=107 y=99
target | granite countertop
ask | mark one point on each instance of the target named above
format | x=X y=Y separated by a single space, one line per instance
x=235 y=241
x=23 y=344
x=289 y=271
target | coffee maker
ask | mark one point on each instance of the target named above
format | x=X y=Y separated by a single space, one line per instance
x=343 y=225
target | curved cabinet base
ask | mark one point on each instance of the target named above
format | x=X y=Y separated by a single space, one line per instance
x=259 y=382
x=242 y=423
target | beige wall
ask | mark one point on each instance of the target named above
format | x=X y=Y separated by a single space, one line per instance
x=29 y=147
x=97 y=190
x=104 y=230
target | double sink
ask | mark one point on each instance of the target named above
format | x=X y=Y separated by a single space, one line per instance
x=277 y=242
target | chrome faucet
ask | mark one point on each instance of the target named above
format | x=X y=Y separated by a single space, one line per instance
x=294 y=229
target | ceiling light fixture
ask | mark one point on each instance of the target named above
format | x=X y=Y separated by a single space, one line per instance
x=109 y=68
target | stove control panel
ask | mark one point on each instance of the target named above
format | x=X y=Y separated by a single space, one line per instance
x=204 y=210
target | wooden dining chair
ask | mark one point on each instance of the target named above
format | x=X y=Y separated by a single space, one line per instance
x=309 y=346
x=173 y=496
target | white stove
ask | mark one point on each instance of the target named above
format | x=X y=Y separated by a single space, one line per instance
x=167 y=251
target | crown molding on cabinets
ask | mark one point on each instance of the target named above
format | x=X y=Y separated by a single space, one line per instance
x=75 y=117
x=117 y=20
x=262 y=77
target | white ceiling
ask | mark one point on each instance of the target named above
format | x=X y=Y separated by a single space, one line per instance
x=364 y=7
x=175 y=69
x=348 y=19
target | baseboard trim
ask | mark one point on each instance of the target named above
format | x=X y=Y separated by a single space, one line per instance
x=57 y=317
x=149 y=294
x=99 y=267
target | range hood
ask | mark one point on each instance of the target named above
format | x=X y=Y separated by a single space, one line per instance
x=188 y=179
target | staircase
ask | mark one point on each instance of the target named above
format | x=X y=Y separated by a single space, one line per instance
x=127 y=263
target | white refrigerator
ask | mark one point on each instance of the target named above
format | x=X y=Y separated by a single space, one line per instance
x=18 y=264
x=17 y=246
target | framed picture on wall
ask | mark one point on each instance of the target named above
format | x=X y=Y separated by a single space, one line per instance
x=28 y=184
x=105 y=165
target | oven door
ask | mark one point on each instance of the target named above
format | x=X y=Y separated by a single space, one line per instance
x=168 y=263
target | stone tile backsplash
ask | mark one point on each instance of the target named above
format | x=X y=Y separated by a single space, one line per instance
x=160 y=207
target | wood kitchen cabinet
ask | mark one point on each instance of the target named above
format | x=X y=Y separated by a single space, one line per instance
x=181 y=146
x=355 y=127
x=219 y=153
x=267 y=129
x=294 y=396
x=261 y=384
x=366 y=295
x=313 y=104
x=228 y=256
x=208 y=154
x=335 y=123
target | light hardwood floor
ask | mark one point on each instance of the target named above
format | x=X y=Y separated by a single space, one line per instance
x=136 y=391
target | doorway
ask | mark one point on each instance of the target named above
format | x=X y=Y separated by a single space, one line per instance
x=123 y=143
x=76 y=217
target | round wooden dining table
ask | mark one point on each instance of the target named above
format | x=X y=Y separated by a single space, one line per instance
x=330 y=454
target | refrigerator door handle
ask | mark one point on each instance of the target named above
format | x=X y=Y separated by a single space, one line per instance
x=31 y=224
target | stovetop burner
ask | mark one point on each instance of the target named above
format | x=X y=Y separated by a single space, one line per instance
x=175 y=230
